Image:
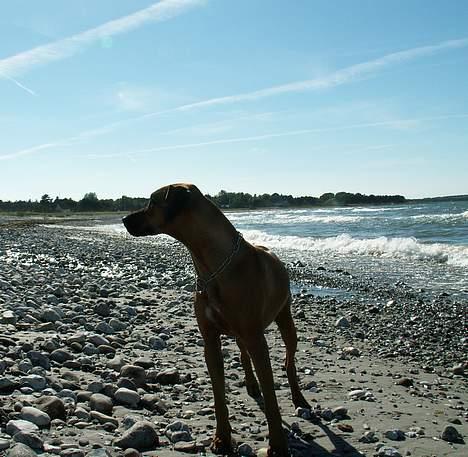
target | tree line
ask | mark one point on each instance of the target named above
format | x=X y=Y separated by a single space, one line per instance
x=91 y=203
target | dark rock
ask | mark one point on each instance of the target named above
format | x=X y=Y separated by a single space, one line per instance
x=53 y=406
x=451 y=434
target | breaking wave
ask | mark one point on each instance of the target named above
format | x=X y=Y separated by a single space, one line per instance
x=385 y=247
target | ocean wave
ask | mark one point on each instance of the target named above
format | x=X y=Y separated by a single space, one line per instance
x=295 y=218
x=438 y=218
x=401 y=248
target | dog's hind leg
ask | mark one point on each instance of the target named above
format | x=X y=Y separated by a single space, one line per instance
x=258 y=350
x=287 y=328
x=250 y=381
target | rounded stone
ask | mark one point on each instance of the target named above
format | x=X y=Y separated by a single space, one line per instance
x=101 y=403
x=142 y=437
x=451 y=434
x=36 y=416
x=21 y=450
x=127 y=396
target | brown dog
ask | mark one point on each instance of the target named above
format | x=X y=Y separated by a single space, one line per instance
x=241 y=290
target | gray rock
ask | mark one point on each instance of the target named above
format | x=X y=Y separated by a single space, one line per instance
x=7 y=384
x=9 y=317
x=104 y=327
x=97 y=340
x=368 y=437
x=102 y=308
x=53 y=406
x=100 y=452
x=387 y=451
x=451 y=434
x=342 y=322
x=135 y=373
x=20 y=425
x=117 y=325
x=103 y=418
x=127 y=397
x=155 y=342
x=50 y=315
x=61 y=355
x=170 y=376
x=36 y=416
x=21 y=450
x=178 y=431
x=29 y=439
x=340 y=412
x=245 y=450
x=72 y=452
x=34 y=381
x=101 y=403
x=189 y=447
x=142 y=436
x=38 y=359
x=116 y=363
x=395 y=435
x=82 y=414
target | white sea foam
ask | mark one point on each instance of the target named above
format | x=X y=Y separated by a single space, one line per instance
x=439 y=218
x=403 y=248
x=278 y=218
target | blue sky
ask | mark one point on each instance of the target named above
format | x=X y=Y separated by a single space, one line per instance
x=305 y=97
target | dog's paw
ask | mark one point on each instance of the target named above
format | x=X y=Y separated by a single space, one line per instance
x=221 y=446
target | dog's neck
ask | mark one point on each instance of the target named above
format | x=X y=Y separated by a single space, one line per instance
x=209 y=244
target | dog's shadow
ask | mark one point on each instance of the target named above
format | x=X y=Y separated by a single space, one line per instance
x=305 y=446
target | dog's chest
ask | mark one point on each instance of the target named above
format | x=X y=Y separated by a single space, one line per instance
x=215 y=316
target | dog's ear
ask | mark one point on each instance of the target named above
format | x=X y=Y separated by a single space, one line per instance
x=176 y=198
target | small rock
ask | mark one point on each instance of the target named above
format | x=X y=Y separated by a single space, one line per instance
x=189 y=447
x=29 y=439
x=101 y=403
x=142 y=436
x=342 y=322
x=395 y=435
x=245 y=450
x=368 y=437
x=21 y=450
x=387 y=451
x=127 y=397
x=53 y=406
x=20 y=425
x=405 y=382
x=451 y=434
x=170 y=376
x=135 y=373
x=36 y=416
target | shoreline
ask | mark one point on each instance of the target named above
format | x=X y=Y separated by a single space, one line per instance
x=401 y=351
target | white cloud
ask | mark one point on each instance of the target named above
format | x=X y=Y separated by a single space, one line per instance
x=61 y=49
x=344 y=76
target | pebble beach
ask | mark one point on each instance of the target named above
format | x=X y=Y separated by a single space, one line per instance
x=100 y=356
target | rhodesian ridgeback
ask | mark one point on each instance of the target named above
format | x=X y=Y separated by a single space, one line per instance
x=241 y=290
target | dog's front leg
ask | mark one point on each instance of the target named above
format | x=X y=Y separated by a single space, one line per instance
x=214 y=362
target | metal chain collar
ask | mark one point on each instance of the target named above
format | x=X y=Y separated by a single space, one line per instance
x=203 y=283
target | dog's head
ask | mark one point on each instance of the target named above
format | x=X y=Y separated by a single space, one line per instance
x=165 y=209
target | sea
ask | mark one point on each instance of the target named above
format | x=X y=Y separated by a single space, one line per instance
x=424 y=245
